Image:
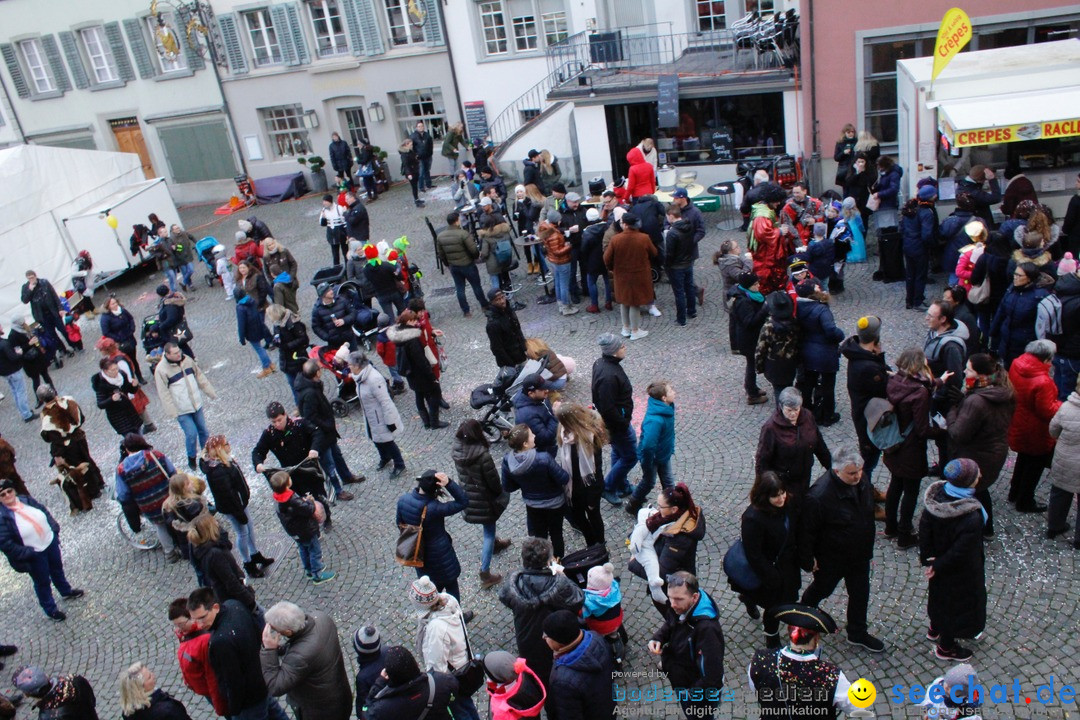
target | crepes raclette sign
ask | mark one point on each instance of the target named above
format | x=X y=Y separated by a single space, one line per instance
x=1013 y=133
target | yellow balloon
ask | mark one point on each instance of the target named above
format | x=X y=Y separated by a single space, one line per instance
x=111 y=221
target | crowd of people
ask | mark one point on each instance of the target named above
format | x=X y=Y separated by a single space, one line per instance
x=997 y=372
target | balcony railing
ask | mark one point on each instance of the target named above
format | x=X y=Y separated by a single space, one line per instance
x=522 y=111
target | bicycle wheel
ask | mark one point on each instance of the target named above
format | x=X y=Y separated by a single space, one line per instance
x=145 y=539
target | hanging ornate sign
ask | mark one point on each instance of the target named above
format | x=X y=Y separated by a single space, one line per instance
x=417 y=12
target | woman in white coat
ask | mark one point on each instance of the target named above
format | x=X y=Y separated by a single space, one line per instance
x=380 y=413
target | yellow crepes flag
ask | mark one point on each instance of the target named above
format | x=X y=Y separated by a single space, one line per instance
x=954 y=34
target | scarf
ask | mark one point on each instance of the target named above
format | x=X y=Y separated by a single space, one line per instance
x=284 y=495
x=754 y=295
x=20 y=510
x=962 y=493
x=117 y=381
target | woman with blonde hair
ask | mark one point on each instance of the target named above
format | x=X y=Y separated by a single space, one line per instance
x=454 y=138
x=581 y=438
x=141 y=700
x=844 y=153
x=559 y=367
x=868 y=145
x=211 y=553
x=231 y=495
x=549 y=168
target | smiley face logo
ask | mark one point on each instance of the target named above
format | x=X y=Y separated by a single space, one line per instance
x=862 y=693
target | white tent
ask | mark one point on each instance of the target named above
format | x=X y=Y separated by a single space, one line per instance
x=41 y=186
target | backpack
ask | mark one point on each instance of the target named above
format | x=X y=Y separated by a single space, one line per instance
x=883 y=425
x=504 y=252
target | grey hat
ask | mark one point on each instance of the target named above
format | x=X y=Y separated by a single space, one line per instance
x=609 y=343
x=366 y=641
x=245 y=225
x=30 y=680
x=554 y=217
x=868 y=329
x=573 y=197
x=960 y=675
x=499 y=666
x=484 y=202
x=241 y=236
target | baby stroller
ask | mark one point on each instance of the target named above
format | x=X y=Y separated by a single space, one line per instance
x=152 y=341
x=346 y=388
x=497 y=397
x=365 y=323
x=205 y=249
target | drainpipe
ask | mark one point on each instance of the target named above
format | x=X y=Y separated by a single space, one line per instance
x=14 y=113
x=815 y=151
x=453 y=68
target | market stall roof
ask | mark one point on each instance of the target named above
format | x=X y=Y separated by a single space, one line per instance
x=1012 y=117
x=999 y=63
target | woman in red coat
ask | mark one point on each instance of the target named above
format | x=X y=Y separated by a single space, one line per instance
x=640 y=180
x=769 y=244
x=1029 y=433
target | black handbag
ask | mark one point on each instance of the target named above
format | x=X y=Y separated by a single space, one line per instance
x=182 y=333
x=470 y=676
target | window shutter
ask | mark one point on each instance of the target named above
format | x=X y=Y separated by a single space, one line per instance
x=17 y=77
x=352 y=24
x=234 y=51
x=297 y=32
x=119 y=51
x=71 y=51
x=193 y=55
x=373 y=44
x=433 y=35
x=133 y=28
x=52 y=54
x=280 y=18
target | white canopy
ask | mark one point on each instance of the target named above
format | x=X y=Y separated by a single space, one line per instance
x=39 y=187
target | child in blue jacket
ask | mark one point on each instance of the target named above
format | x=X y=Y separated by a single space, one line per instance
x=656 y=445
x=250 y=327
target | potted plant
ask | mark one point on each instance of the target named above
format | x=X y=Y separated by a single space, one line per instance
x=315 y=165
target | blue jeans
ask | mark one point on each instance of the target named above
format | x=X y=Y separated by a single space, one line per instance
x=333 y=463
x=195 y=432
x=648 y=479
x=268 y=709
x=623 y=459
x=186 y=271
x=245 y=537
x=17 y=381
x=496 y=281
x=557 y=384
x=261 y=352
x=1065 y=373
x=290 y=377
x=682 y=284
x=311 y=555
x=463 y=708
x=488 y=547
x=562 y=283
x=425 y=172
x=472 y=275
x=46 y=570
x=594 y=288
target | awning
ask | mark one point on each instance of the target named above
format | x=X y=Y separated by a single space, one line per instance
x=1052 y=113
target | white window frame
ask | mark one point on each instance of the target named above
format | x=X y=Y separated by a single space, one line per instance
x=556 y=26
x=717 y=22
x=337 y=42
x=525 y=32
x=260 y=26
x=493 y=28
x=518 y=28
x=402 y=102
x=37 y=66
x=286 y=122
x=401 y=32
x=165 y=65
x=100 y=60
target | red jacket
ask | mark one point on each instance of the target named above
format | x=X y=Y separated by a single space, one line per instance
x=641 y=180
x=249 y=250
x=1036 y=404
x=193 y=654
x=799 y=217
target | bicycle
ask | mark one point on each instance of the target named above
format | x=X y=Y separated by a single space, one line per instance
x=305 y=474
x=143 y=539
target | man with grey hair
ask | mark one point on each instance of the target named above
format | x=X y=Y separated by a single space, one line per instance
x=301 y=659
x=836 y=540
x=1029 y=433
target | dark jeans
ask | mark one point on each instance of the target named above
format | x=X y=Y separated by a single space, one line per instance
x=649 y=472
x=338 y=242
x=389 y=452
x=55 y=325
x=819 y=393
x=594 y=289
x=471 y=273
x=902 y=494
x=369 y=186
x=393 y=304
x=425 y=172
x=583 y=512
x=682 y=284
x=415 y=188
x=1026 y=474
x=750 y=375
x=1058 y=511
x=623 y=459
x=916 y=268
x=1065 y=373
x=427 y=405
x=871 y=455
x=128 y=348
x=37 y=376
x=46 y=570
x=983 y=495
x=856 y=577
x=546 y=523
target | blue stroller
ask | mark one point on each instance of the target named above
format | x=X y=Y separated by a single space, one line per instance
x=205 y=250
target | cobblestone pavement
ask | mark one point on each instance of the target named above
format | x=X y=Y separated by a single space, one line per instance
x=1032 y=581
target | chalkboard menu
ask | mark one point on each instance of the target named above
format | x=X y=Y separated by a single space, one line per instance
x=723 y=146
x=667 y=101
x=476 y=122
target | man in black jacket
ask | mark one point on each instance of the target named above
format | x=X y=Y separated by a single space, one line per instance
x=836 y=541
x=45 y=307
x=504 y=331
x=384 y=278
x=613 y=397
x=332 y=318
x=691 y=644
x=357 y=222
x=424 y=146
x=290 y=440
x=255 y=229
x=316 y=410
x=11 y=369
x=972 y=184
x=235 y=643
x=580 y=682
x=531 y=172
x=691 y=214
x=402 y=691
x=867 y=378
x=572 y=223
x=680 y=250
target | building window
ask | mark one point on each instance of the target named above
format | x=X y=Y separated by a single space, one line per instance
x=556 y=28
x=412 y=106
x=710 y=15
x=402 y=31
x=264 y=40
x=762 y=7
x=285 y=128
x=494 y=24
x=168 y=45
x=328 y=27
x=524 y=32
x=98 y=53
x=36 y=67
x=355 y=127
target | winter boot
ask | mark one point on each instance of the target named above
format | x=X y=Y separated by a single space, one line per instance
x=502 y=543
x=489 y=579
x=436 y=423
x=262 y=560
x=253 y=570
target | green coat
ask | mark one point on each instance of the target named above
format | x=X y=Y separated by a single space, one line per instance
x=456 y=247
x=450 y=144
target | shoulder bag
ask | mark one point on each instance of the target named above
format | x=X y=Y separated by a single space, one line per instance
x=737 y=566
x=410 y=543
x=182 y=333
x=140 y=400
x=470 y=677
x=430 y=697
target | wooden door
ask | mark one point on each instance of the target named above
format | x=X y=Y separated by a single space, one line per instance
x=129 y=138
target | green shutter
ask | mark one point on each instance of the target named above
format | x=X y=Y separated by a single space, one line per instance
x=74 y=59
x=133 y=28
x=352 y=23
x=14 y=70
x=280 y=18
x=433 y=35
x=119 y=51
x=193 y=55
x=373 y=44
x=52 y=54
x=296 y=30
x=234 y=51
x=198 y=152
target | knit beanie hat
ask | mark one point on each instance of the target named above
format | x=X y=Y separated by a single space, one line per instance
x=554 y=217
x=592 y=214
x=401 y=666
x=609 y=343
x=519 y=188
x=601 y=576
x=241 y=236
x=868 y=329
x=383 y=320
x=162 y=290
x=747 y=280
x=1066 y=265
x=30 y=680
x=848 y=204
x=961 y=472
x=927 y=192
x=820 y=229
x=806 y=288
x=354 y=248
x=366 y=641
x=960 y=676
x=975 y=229
x=428 y=482
x=499 y=666
x=559 y=188
x=423 y=592
x=245 y=226
x=562 y=627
